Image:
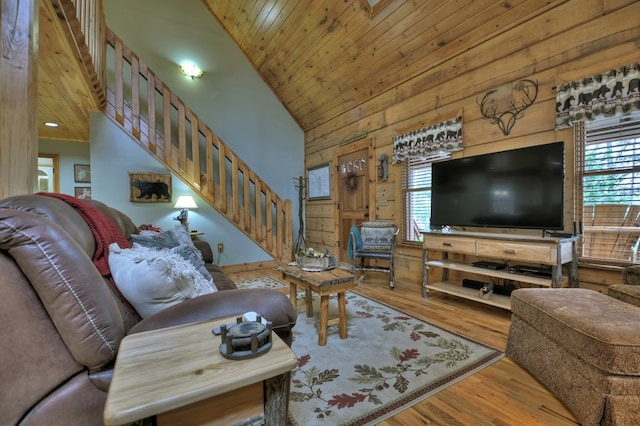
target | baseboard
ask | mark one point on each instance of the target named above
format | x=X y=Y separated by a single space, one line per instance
x=246 y=267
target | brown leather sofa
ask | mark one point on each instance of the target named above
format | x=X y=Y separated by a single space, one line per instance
x=61 y=323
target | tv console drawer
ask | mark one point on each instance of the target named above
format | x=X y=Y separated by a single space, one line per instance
x=453 y=244
x=529 y=252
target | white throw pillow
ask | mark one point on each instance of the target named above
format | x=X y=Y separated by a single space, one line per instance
x=153 y=280
x=177 y=239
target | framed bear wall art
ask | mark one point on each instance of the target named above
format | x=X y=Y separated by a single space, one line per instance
x=149 y=188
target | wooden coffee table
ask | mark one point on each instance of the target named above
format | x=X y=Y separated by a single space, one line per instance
x=324 y=283
x=179 y=375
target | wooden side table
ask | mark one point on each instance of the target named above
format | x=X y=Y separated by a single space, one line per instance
x=179 y=375
x=324 y=283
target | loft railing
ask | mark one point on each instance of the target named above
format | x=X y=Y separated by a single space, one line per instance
x=88 y=29
x=163 y=125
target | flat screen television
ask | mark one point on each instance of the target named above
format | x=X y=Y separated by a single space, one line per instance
x=519 y=188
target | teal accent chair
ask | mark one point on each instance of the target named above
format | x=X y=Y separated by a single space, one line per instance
x=372 y=241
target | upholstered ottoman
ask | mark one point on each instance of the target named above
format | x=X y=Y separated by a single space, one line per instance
x=629 y=290
x=584 y=346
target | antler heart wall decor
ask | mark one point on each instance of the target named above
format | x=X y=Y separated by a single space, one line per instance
x=504 y=105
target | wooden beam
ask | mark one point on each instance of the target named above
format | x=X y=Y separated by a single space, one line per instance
x=18 y=97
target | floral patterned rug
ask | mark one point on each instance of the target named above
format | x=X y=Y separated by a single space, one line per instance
x=389 y=361
x=265 y=282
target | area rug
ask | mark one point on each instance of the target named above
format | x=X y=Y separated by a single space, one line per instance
x=390 y=361
x=265 y=282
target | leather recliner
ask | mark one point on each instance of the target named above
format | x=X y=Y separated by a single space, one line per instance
x=62 y=323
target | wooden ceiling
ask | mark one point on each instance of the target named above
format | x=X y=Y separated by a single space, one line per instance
x=65 y=95
x=325 y=58
x=322 y=58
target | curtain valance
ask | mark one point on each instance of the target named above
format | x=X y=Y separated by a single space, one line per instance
x=602 y=95
x=433 y=141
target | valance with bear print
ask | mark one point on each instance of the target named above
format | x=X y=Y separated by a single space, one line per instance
x=601 y=95
x=432 y=141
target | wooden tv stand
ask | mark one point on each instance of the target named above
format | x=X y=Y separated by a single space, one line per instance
x=509 y=248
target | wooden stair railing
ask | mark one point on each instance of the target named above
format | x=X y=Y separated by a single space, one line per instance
x=163 y=125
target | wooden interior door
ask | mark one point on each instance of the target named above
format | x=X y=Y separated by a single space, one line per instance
x=353 y=191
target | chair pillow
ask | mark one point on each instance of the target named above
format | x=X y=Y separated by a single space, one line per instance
x=377 y=235
x=177 y=239
x=153 y=280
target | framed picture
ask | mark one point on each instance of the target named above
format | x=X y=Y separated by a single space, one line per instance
x=82 y=173
x=149 y=188
x=319 y=182
x=83 y=192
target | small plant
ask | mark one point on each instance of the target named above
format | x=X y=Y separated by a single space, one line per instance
x=311 y=252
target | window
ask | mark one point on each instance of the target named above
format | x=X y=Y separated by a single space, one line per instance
x=416 y=193
x=608 y=188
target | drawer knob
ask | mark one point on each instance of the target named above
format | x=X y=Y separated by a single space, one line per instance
x=447 y=244
x=510 y=251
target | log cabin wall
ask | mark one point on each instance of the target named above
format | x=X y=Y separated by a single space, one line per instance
x=571 y=41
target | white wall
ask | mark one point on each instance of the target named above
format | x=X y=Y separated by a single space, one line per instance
x=114 y=155
x=231 y=97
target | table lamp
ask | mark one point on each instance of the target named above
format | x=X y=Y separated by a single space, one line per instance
x=184 y=203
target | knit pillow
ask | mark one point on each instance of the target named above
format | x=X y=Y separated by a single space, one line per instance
x=377 y=235
x=177 y=239
x=153 y=280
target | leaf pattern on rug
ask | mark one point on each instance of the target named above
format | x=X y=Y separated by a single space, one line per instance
x=264 y=282
x=408 y=363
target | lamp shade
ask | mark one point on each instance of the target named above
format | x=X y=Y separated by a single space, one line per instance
x=185 y=202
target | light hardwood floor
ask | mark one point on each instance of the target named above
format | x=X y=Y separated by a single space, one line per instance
x=502 y=394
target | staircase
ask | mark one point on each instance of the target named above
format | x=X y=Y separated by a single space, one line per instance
x=144 y=107
x=164 y=126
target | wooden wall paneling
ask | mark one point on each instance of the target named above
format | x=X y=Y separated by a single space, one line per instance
x=404 y=60
x=385 y=201
x=507 y=43
x=415 y=101
x=320 y=223
x=320 y=209
x=501 y=55
x=613 y=5
x=595 y=63
x=403 y=106
x=411 y=62
x=320 y=240
x=590 y=275
x=321 y=157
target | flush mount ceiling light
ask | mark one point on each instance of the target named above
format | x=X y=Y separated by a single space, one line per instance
x=51 y=124
x=191 y=70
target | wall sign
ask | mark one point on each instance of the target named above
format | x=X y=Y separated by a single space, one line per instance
x=319 y=182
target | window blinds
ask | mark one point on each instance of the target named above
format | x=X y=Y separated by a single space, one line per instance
x=416 y=191
x=608 y=163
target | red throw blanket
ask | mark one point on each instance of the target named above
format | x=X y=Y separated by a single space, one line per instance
x=105 y=232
